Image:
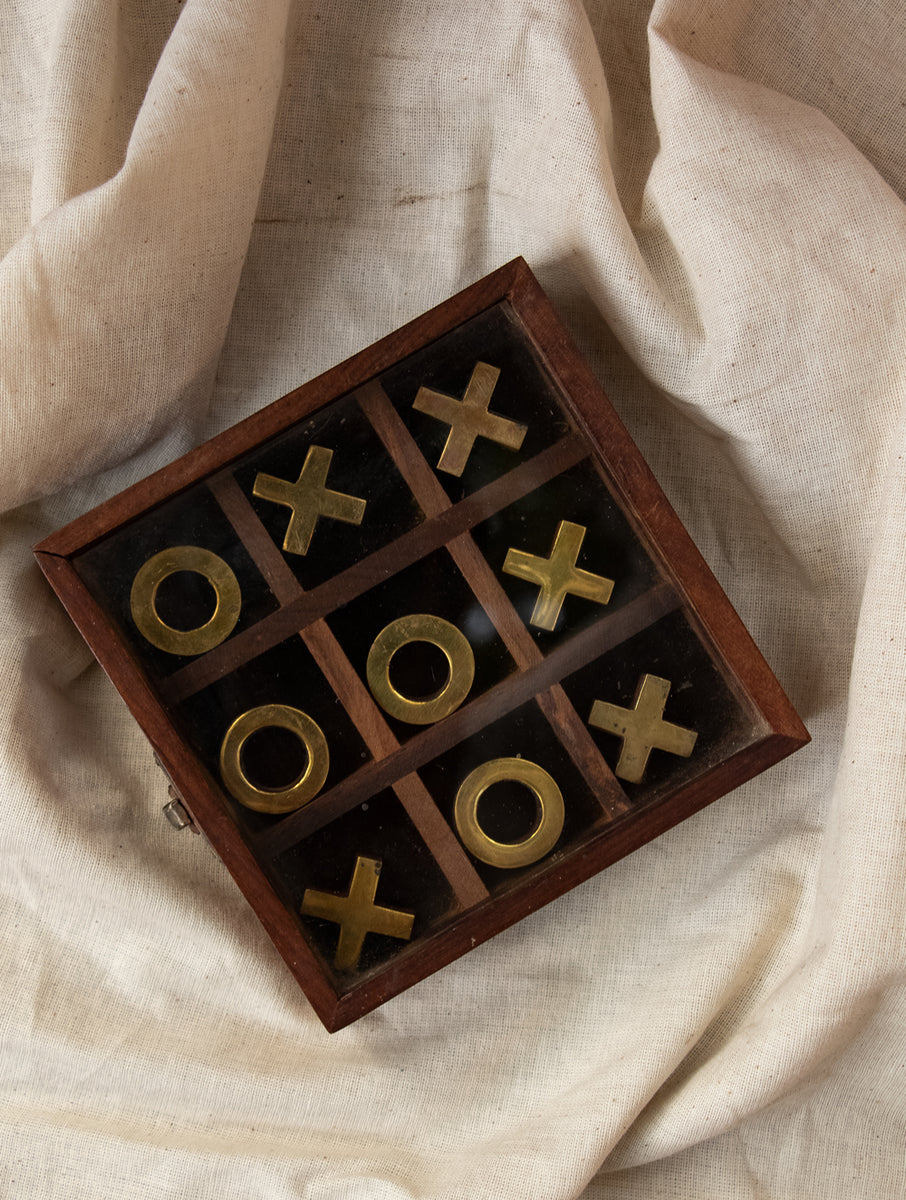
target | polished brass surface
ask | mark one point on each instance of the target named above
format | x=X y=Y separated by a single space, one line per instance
x=542 y=838
x=643 y=728
x=469 y=419
x=274 y=800
x=357 y=914
x=558 y=576
x=149 y=577
x=421 y=627
x=309 y=498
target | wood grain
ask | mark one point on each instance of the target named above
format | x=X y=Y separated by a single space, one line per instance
x=254 y=536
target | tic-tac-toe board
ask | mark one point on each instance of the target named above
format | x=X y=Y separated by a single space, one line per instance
x=422 y=645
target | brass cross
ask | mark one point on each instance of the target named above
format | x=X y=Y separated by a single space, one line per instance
x=469 y=419
x=309 y=498
x=558 y=576
x=643 y=728
x=357 y=914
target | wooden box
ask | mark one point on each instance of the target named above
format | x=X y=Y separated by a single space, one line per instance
x=422 y=645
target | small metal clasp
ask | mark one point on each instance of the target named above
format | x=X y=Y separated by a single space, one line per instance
x=176 y=812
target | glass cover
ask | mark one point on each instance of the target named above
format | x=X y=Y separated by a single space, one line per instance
x=420 y=645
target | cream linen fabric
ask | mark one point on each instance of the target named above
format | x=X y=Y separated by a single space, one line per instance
x=205 y=203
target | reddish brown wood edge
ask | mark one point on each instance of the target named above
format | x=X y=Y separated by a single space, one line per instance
x=207 y=808
x=270 y=420
x=615 y=841
x=584 y=399
x=632 y=476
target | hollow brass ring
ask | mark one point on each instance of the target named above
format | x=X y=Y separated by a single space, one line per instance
x=421 y=627
x=543 y=837
x=143 y=597
x=274 y=800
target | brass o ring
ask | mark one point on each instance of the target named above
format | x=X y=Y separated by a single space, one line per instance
x=143 y=597
x=421 y=627
x=274 y=800
x=543 y=837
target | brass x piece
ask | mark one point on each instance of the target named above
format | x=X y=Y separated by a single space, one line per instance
x=357 y=914
x=469 y=419
x=643 y=728
x=558 y=576
x=309 y=498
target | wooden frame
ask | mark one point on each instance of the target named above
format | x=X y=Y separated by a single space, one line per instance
x=766 y=726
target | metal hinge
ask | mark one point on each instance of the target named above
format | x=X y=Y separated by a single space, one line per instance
x=177 y=813
x=175 y=810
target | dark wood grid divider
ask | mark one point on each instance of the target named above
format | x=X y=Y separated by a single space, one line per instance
x=353 y=695
x=563 y=718
x=394 y=765
x=300 y=608
x=471 y=718
x=303 y=613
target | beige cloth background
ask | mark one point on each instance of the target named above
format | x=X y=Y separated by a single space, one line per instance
x=205 y=203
